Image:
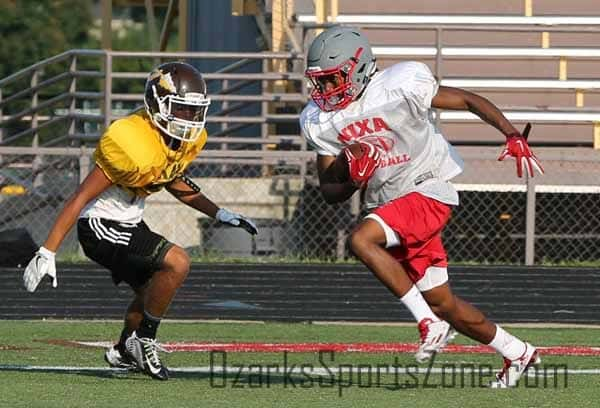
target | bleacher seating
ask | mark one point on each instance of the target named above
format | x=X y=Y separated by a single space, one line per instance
x=541 y=68
x=504 y=7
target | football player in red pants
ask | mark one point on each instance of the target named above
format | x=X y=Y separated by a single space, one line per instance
x=404 y=166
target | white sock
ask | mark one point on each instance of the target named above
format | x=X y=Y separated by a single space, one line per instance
x=507 y=344
x=417 y=305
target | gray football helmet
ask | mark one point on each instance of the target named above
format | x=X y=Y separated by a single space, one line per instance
x=340 y=63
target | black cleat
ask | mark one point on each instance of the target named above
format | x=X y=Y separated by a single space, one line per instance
x=117 y=357
x=144 y=351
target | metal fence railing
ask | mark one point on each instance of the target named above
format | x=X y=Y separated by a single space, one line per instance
x=59 y=107
x=501 y=219
x=67 y=100
x=539 y=67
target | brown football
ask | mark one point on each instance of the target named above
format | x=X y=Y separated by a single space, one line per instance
x=340 y=166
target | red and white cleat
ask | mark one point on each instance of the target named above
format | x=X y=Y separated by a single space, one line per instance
x=513 y=369
x=434 y=337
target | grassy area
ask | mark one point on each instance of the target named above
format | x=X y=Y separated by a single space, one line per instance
x=26 y=343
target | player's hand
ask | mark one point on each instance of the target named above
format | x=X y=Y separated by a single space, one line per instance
x=41 y=264
x=236 y=220
x=517 y=147
x=362 y=168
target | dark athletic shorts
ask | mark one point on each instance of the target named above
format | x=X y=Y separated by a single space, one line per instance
x=132 y=252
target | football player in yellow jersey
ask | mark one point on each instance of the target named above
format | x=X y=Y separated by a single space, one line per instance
x=136 y=156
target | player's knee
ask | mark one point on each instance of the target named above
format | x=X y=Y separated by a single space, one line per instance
x=177 y=262
x=357 y=243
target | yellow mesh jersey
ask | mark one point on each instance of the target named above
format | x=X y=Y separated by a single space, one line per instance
x=134 y=156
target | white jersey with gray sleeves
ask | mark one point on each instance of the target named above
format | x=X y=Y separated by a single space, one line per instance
x=394 y=113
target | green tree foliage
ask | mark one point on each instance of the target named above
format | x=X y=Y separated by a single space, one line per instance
x=34 y=30
x=134 y=36
x=30 y=32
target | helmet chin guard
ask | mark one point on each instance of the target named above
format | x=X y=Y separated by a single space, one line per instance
x=342 y=93
x=340 y=64
x=181 y=118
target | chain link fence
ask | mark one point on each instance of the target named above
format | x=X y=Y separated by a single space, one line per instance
x=279 y=190
x=33 y=189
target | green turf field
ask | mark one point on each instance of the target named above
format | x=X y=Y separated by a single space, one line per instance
x=358 y=382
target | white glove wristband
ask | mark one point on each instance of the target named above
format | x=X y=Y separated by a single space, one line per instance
x=46 y=253
x=227 y=216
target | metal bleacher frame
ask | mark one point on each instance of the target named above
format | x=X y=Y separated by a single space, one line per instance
x=442 y=24
x=41 y=112
x=578 y=114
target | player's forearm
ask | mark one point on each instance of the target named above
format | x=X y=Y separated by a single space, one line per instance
x=489 y=113
x=94 y=184
x=201 y=203
x=459 y=99
x=188 y=192
x=63 y=224
x=337 y=192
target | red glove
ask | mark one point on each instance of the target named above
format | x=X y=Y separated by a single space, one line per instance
x=517 y=147
x=362 y=168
